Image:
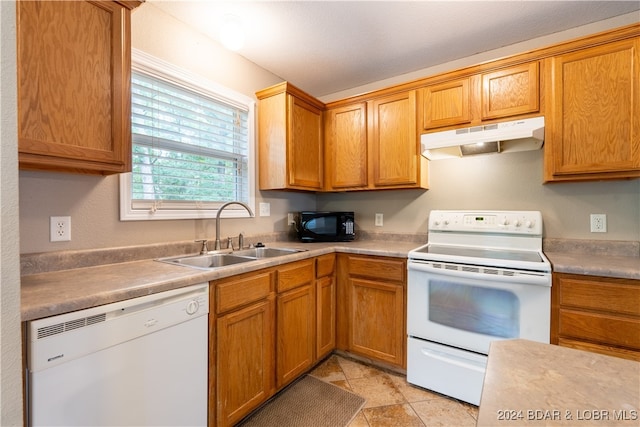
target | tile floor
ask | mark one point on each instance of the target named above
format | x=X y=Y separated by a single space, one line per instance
x=391 y=401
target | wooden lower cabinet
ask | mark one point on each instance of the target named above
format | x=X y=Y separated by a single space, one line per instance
x=325 y=305
x=244 y=361
x=372 y=308
x=597 y=314
x=270 y=326
x=296 y=333
x=242 y=321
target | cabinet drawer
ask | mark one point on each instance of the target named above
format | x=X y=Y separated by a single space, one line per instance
x=600 y=348
x=377 y=268
x=601 y=328
x=242 y=291
x=325 y=265
x=295 y=274
x=608 y=295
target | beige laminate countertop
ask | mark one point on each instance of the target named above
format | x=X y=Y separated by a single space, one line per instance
x=627 y=267
x=57 y=292
x=530 y=383
x=51 y=293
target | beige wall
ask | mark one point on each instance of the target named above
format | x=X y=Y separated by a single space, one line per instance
x=10 y=338
x=509 y=181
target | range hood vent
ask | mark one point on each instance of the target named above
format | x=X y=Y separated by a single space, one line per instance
x=505 y=137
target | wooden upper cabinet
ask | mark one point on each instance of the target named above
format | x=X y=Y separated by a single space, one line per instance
x=74 y=102
x=346 y=151
x=467 y=101
x=447 y=104
x=511 y=91
x=593 y=120
x=393 y=142
x=290 y=139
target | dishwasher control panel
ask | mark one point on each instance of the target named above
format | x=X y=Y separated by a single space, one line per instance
x=58 y=339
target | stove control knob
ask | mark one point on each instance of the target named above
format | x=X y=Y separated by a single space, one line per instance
x=504 y=221
x=436 y=223
x=446 y=222
x=529 y=224
x=517 y=223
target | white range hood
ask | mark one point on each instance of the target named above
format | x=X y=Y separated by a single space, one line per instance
x=505 y=137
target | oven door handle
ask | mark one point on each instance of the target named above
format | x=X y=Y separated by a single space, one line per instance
x=542 y=279
x=453 y=360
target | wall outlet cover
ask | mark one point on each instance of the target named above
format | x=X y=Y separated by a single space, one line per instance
x=598 y=223
x=60 y=229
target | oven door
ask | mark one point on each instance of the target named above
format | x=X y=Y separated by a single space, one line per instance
x=468 y=309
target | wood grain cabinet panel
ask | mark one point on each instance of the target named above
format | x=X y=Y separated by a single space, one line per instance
x=296 y=320
x=373 y=144
x=74 y=101
x=593 y=124
x=290 y=139
x=393 y=141
x=446 y=104
x=346 y=150
x=596 y=314
x=325 y=305
x=511 y=91
x=467 y=101
x=371 y=308
x=245 y=364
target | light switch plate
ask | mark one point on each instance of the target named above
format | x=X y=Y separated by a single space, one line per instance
x=265 y=209
x=379 y=220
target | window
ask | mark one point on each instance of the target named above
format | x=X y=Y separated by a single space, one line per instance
x=192 y=146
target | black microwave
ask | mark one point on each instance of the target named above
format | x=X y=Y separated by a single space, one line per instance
x=314 y=226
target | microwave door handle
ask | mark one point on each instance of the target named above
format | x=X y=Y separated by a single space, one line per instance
x=525 y=279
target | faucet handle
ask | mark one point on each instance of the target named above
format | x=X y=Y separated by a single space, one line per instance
x=230 y=243
x=240 y=241
x=204 y=249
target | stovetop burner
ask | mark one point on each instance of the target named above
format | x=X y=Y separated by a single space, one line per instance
x=497 y=254
x=508 y=239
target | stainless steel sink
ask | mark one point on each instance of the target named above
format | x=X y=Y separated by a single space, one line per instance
x=207 y=261
x=216 y=260
x=266 y=252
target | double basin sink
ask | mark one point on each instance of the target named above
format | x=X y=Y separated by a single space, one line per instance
x=217 y=259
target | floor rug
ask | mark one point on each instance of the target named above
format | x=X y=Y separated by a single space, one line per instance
x=308 y=402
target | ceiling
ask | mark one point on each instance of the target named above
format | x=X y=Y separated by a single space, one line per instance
x=325 y=47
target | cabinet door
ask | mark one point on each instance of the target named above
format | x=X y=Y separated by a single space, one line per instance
x=326 y=316
x=245 y=351
x=74 y=86
x=346 y=147
x=510 y=91
x=304 y=145
x=393 y=140
x=593 y=126
x=296 y=333
x=377 y=320
x=446 y=104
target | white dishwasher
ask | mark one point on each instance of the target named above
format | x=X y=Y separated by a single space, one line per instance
x=139 y=362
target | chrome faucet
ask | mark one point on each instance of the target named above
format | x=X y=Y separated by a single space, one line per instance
x=217 y=242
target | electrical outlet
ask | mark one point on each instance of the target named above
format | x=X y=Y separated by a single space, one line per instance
x=598 y=223
x=60 y=229
x=291 y=218
x=379 y=220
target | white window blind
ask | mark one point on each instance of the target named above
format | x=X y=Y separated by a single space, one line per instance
x=191 y=147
